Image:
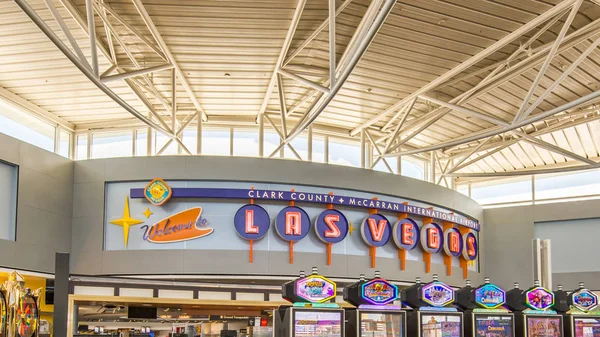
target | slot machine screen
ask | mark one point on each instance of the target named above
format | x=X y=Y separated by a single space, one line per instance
x=317 y=323
x=586 y=327
x=544 y=326
x=380 y=324
x=493 y=326
x=440 y=325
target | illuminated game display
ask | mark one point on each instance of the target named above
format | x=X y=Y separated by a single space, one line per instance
x=380 y=324
x=587 y=326
x=375 y=314
x=543 y=326
x=317 y=324
x=315 y=288
x=539 y=298
x=493 y=326
x=583 y=318
x=309 y=315
x=490 y=296
x=433 y=314
x=441 y=326
x=379 y=292
x=438 y=294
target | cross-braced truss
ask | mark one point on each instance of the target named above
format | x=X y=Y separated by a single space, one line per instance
x=476 y=89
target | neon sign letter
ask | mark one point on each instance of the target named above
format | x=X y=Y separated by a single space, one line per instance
x=407 y=234
x=250 y=228
x=334 y=230
x=434 y=238
x=377 y=229
x=454 y=243
x=471 y=246
x=293 y=223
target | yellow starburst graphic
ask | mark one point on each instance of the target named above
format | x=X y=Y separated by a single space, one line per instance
x=126 y=221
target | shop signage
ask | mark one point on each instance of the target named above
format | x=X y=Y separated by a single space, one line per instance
x=186 y=225
x=437 y=294
x=584 y=300
x=316 y=288
x=539 y=298
x=236 y=193
x=490 y=296
x=379 y=292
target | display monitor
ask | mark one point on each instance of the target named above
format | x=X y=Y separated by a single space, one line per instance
x=493 y=326
x=440 y=325
x=381 y=324
x=543 y=326
x=317 y=323
x=586 y=327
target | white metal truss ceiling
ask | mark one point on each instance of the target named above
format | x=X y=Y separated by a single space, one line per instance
x=225 y=55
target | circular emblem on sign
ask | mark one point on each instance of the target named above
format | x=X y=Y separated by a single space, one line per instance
x=375 y=230
x=584 y=300
x=331 y=226
x=539 y=298
x=379 y=292
x=432 y=239
x=406 y=234
x=292 y=223
x=315 y=288
x=453 y=242
x=471 y=246
x=490 y=296
x=158 y=192
x=252 y=222
x=437 y=294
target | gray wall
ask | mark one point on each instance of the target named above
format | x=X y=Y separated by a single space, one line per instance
x=508 y=242
x=44 y=206
x=87 y=256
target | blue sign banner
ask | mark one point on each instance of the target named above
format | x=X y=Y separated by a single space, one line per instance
x=320 y=198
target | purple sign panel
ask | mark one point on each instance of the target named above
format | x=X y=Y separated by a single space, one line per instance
x=252 y=222
x=292 y=223
x=376 y=230
x=331 y=226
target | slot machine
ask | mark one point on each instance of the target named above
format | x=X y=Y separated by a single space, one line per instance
x=433 y=314
x=375 y=314
x=583 y=317
x=311 y=314
x=538 y=318
x=484 y=313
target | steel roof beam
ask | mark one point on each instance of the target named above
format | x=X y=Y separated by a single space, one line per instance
x=358 y=52
x=161 y=43
x=284 y=49
x=525 y=136
x=559 y=39
x=561 y=169
x=562 y=76
x=132 y=29
x=470 y=62
x=496 y=131
x=85 y=70
x=134 y=73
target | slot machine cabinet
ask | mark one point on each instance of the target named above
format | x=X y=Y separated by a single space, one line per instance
x=484 y=313
x=582 y=318
x=538 y=319
x=311 y=314
x=433 y=314
x=374 y=315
